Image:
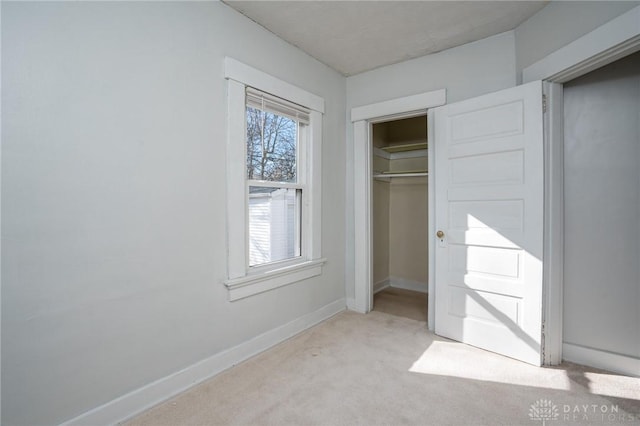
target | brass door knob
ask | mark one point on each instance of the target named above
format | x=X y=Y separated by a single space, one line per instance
x=440 y=234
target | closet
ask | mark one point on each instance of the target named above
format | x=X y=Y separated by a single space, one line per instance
x=601 y=274
x=399 y=210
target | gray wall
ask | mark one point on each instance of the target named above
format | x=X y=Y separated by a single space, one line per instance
x=473 y=69
x=602 y=209
x=466 y=71
x=558 y=24
x=113 y=173
x=113 y=186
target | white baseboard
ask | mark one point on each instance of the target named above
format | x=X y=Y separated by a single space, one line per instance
x=127 y=406
x=381 y=285
x=405 y=284
x=601 y=359
x=351 y=303
x=397 y=282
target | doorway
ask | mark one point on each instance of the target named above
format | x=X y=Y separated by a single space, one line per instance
x=363 y=118
x=602 y=217
x=400 y=217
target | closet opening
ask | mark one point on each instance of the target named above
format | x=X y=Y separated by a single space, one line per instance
x=399 y=204
x=601 y=203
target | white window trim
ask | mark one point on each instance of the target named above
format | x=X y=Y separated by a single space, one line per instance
x=244 y=281
x=249 y=76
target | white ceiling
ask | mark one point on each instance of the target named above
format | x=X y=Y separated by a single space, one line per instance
x=356 y=36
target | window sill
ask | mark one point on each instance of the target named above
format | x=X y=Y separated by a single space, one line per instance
x=246 y=286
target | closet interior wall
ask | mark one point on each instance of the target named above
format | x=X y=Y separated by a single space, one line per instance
x=601 y=303
x=400 y=257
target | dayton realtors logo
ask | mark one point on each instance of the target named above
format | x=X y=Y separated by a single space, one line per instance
x=545 y=410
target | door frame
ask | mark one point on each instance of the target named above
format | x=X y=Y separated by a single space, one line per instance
x=606 y=44
x=363 y=117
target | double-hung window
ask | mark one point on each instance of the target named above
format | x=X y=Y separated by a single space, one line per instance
x=276 y=141
x=273 y=182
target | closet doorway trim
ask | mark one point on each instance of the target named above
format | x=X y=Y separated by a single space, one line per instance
x=362 y=118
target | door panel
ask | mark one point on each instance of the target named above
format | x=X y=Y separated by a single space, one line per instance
x=489 y=204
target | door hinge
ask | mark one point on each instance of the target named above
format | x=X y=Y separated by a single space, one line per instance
x=543 y=354
x=544 y=103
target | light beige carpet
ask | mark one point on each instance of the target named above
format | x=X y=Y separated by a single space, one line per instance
x=400 y=302
x=382 y=369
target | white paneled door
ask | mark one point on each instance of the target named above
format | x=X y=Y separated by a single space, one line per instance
x=489 y=185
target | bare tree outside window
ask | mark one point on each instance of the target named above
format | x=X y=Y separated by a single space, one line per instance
x=274 y=211
x=271 y=146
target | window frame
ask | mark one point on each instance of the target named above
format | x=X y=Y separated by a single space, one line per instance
x=300 y=116
x=243 y=280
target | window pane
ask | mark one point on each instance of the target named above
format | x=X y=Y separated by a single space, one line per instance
x=271 y=146
x=274 y=224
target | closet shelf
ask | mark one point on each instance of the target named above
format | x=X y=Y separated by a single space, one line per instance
x=405 y=147
x=408 y=173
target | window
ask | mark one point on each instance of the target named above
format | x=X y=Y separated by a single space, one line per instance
x=273 y=182
x=276 y=135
